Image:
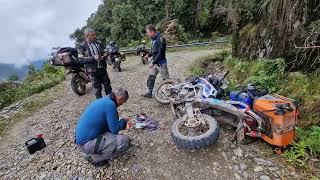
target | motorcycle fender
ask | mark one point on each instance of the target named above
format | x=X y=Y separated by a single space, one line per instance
x=84 y=76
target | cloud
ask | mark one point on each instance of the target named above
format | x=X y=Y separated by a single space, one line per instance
x=30 y=28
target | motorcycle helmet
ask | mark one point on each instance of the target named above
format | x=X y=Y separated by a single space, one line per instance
x=112 y=43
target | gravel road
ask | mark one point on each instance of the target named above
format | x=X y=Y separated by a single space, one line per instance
x=154 y=156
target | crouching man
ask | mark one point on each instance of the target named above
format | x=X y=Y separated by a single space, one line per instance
x=98 y=127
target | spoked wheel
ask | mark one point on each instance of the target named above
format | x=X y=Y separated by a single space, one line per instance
x=162 y=93
x=78 y=85
x=142 y=58
x=196 y=133
x=118 y=66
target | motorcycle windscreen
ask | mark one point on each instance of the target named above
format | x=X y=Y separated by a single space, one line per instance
x=208 y=89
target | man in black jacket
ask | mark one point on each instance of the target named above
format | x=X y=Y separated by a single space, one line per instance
x=92 y=48
x=158 y=62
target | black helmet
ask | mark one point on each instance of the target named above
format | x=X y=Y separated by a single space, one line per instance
x=112 y=42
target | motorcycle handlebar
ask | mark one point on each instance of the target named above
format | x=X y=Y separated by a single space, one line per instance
x=224 y=76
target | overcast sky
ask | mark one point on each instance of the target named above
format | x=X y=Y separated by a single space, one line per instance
x=29 y=28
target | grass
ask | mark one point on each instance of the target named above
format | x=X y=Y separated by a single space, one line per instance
x=34 y=82
x=30 y=106
x=43 y=82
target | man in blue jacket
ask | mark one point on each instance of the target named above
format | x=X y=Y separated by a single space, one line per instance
x=98 y=127
x=159 y=61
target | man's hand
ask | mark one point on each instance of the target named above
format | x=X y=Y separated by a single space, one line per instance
x=146 y=57
x=151 y=65
x=129 y=123
x=97 y=57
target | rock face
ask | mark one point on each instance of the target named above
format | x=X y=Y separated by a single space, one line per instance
x=276 y=33
x=154 y=155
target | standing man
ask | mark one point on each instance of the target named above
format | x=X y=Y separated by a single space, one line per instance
x=92 y=48
x=159 y=61
x=98 y=127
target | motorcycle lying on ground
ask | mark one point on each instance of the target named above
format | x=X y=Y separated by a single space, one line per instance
x=68 y=57
x=197 y=102
x=142 y=52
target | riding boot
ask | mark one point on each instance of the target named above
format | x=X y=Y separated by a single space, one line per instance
x=150 y=83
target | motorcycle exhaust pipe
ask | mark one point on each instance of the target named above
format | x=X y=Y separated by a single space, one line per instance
x=254 y=134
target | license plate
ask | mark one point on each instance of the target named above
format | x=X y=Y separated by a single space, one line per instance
x=240 y=134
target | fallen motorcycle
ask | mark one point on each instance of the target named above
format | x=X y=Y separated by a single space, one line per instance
x=272 y=118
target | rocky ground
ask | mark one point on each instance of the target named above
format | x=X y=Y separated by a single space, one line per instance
x=154 y=156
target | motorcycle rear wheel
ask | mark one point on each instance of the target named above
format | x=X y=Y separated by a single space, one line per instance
x=78 y=85
x=207 y=134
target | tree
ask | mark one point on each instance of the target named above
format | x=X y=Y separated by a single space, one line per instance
x=31 y=69
x=124 y=26
x=13 y=77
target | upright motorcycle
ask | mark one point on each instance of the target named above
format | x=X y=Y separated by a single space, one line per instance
x=142 y=52
x=68 y=57
x=114 y=57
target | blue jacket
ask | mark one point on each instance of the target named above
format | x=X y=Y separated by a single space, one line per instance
x=158 y=50
x=99 y=117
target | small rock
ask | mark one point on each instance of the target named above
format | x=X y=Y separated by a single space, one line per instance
x=273 y=168
x=234 y=158
x=265 y=177
x=237 y=176
x=224 y=155
x=263 y=162
x=236 y=167
x=243 y=166
x=55 y=167
x=245 y=175
x=238 y=152
x=42 y=176
x=258 y=169
x=90 y=173
x=125 y=169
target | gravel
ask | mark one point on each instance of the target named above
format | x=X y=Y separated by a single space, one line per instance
x=154 y=155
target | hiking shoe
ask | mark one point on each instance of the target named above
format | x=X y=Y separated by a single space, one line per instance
x=97 y=164
x=147 y=95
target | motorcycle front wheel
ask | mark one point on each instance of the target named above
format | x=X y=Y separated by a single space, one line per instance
x=162 y=92
x=118 y=67
x=192 y=138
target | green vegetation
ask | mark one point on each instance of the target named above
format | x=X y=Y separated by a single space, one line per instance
x=31 y=105
x=13 y=77
x=35 y=82
x=125 y=20
x=272 y=74
x=306 y=148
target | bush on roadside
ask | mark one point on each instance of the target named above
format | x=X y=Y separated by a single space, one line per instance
x=34 y=82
